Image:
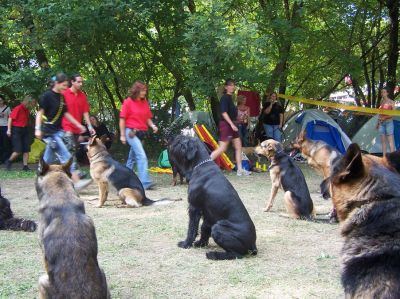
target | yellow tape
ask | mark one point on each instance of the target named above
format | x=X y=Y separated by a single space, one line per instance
x=340 y=106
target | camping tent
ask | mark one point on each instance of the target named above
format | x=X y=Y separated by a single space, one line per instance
x=368 y=138
x=319 y=126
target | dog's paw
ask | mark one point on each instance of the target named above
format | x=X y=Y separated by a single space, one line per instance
x=212 y=255
x=200 y=243
x=184 y=244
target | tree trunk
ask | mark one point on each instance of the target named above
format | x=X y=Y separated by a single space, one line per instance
x=393 y=51
x=215 y=110
x=187 y=93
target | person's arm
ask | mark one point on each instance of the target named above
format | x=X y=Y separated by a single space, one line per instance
x=152 y=125
x=9 y=123
x=89 y=125
x=68 y=116
x=122 y=130
x=268 y=109
x=229 y=121
x=38 y=123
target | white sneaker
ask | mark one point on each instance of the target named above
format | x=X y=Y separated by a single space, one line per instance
x=243 y=172
x=79 y=185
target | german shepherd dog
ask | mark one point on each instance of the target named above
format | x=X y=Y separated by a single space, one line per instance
x=68 y=239
x=366 y=195
x=7 y=220
x=214 y=199
x=105 y=170
x=287 y=175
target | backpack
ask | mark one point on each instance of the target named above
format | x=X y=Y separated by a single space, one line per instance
x=163 y=161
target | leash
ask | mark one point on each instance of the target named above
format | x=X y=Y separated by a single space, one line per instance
x=202 y=162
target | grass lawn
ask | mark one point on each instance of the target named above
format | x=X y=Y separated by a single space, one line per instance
x=138 y=252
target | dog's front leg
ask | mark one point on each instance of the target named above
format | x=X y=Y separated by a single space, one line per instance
x=103 y=193
x=205 y=235
x=194 y=219
x=274 y=191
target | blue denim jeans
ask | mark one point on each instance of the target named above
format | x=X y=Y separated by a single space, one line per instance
x=55 y=148
x=273 y=131
x=386 y=127
x=137 y=155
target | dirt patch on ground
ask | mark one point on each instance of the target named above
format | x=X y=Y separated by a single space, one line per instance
x=138 y=252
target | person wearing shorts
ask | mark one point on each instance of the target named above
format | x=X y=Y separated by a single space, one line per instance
x=19 y=133
x=5 y=144
x=385 y=122
x=228 y=131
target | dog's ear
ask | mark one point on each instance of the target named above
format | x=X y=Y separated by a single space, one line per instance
x=352 y=166
x=43 y=167
x=92 y=140
x=191 y=149
x=393 y=160
x=67 y=166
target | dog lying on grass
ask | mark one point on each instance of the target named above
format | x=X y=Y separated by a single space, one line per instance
x=287 y=175
x=68 y=239
x=105 y=170
x=7 y=220
x=366 y=195
x=212 y=198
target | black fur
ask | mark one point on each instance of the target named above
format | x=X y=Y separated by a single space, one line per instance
x=7 y=220
x=212 y=198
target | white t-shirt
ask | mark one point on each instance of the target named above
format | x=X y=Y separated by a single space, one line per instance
x=4 y=114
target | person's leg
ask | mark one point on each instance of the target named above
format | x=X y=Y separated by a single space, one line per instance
x=141 y=160
x=70 y=142
x=25 y=148
x=389 y=135
x=130 y=163
x=392 y=147
x=277 y=133
x=61 y=150
x=222 y=147
x=269 y=131
x=3 y=144
x=17 y=146
x=383 y=141
x=237 y=144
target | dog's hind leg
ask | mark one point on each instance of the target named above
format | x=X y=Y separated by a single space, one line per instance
x=205 y=235
x=131 y=197
x=44 y=285
x=103 y=193
x=290 y=205
x=226 y=236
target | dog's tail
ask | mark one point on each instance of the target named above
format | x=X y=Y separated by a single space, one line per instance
x=18 y=224
x=163 y=201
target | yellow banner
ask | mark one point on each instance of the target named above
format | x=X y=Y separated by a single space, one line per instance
x=340 y=106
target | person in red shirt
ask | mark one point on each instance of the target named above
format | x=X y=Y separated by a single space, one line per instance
x=78 y=107
x=18 y=131
x=135 y=118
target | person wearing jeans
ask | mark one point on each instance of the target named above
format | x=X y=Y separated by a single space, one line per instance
x=273 y=118
x=135 y=118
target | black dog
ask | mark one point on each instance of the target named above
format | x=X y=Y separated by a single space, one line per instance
x=214 y=199
x=175 y=169
x=7 y=220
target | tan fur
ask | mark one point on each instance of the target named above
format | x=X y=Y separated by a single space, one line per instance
x=131 y=197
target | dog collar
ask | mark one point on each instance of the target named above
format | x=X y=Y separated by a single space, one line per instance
x=202 y=162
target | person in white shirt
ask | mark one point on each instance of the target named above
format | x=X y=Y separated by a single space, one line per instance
x=5 y=144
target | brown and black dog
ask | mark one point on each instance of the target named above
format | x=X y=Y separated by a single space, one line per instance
x=366 y=195
x=287 y=175
x=105 y=170
x=7 y=220
x=68 y=239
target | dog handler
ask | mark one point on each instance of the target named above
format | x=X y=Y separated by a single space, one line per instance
x=48 y=120
x=227 y=129
x=135 y=118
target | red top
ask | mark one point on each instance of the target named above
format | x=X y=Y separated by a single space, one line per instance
x=252 y=100
x=77 y=104
x=136 y=113
x=19 y=116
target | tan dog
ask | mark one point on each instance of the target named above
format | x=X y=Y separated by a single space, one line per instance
x=68 y=239
x=287 y=175
x=320 y=155
x=105 y=170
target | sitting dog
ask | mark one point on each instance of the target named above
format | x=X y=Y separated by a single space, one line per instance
x=287 y=175
x=366 y=195
x=68 y=239
x=175 y=170
x=7 y=220
x=214 y=199
x=104 y=170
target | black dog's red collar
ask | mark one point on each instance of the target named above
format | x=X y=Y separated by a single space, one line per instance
x=202 y=162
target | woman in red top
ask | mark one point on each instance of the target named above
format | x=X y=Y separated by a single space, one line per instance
x=135 y=118
x=18 y=131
